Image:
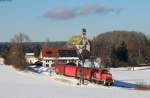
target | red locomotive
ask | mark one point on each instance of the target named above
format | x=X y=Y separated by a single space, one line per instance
x=97 y=75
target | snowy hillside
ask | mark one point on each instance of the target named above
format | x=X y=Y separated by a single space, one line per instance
x=15 y=84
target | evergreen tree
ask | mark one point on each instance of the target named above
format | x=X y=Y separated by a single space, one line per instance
x=37 y=51
x=122 y=52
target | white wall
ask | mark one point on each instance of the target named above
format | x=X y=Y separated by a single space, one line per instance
x=1 y=61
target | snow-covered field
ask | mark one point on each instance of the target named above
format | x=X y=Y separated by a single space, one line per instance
x=16 y=84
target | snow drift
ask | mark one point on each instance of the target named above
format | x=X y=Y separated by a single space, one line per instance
x=15 y=84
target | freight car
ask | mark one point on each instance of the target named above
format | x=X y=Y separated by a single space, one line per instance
x=97 y=75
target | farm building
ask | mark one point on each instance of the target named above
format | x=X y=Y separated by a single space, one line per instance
x=49 y=56
x=30 y=58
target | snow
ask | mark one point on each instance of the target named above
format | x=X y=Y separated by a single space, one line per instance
x=18 y=84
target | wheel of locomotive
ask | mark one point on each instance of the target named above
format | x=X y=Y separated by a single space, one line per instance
x=107 y=83
x=110 y=83
x=97 y=82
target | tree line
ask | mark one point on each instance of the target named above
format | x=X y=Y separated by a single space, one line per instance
x=14 y=51
x=122 y=48
x=115 y=48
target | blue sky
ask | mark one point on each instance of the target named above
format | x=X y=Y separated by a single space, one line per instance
x=58 y=20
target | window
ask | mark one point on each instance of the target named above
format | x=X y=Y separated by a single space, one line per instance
x=68 y=53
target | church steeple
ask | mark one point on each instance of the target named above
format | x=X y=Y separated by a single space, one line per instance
x=83 y=33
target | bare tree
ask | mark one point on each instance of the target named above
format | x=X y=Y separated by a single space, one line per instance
x=46 y=43
x=16 y=55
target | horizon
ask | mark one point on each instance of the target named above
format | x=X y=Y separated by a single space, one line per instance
x=59 y=20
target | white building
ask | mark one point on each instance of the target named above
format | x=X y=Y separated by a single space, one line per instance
x=49 y=56
x=30 y=58
x=81 y=42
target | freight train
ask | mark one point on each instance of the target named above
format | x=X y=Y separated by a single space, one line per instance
x=97 y=75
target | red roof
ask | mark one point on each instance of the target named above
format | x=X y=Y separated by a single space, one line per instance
x=52 y=52
x=49 y=52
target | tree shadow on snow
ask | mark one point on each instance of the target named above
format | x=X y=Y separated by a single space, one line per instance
x=123 y=84
x=144 y=69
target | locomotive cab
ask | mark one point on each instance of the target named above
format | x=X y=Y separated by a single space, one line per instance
x=103 y=76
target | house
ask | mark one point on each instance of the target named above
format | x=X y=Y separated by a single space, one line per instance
x=30 y=58
x=49 y=56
